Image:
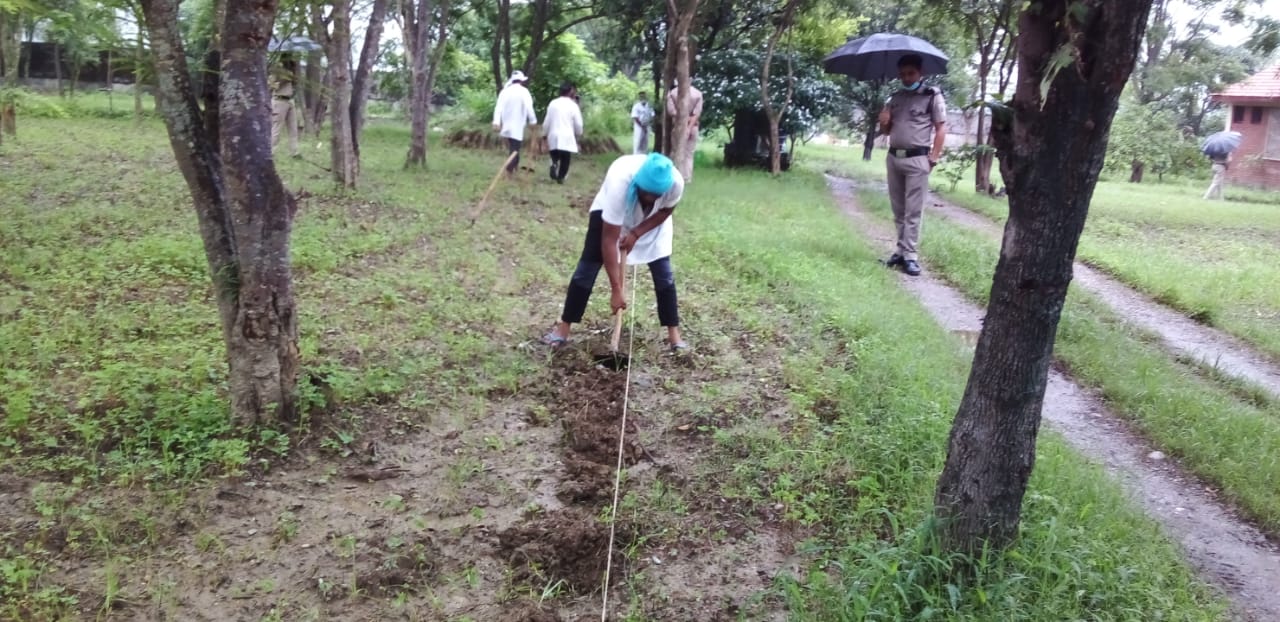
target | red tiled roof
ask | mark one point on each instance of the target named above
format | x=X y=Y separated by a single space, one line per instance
x=1264 y=85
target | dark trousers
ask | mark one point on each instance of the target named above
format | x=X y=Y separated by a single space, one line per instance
x=513 y=146
x=560 y=164
x=584 y=279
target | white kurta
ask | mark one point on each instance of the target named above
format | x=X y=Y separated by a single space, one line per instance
x=611 y=201
x=562 y=125
x=514 y=111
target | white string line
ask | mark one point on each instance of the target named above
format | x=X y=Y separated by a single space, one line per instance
x=622 y=433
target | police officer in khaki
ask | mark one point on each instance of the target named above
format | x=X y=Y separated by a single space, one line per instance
x=915 y=120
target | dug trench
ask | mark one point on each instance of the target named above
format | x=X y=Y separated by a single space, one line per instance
x=1227 y=551
x=496 y=516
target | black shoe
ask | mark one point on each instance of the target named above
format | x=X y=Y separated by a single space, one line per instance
x=894 y=260
x=560 y=180
x=911 y=267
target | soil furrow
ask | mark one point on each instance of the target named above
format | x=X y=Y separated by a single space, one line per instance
x=1226 y=550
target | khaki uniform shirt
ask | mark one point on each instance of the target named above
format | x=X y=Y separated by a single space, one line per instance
x=914 y=114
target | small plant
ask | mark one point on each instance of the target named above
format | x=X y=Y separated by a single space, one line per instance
x=287 y=526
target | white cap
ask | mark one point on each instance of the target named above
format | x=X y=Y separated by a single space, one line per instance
x=517 y=76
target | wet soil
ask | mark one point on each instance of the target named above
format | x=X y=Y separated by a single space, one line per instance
x=1226 y=550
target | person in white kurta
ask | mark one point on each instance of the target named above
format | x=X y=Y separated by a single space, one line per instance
x=631 y=214
x=512 y=113
x=562 y=126
x=641 y=118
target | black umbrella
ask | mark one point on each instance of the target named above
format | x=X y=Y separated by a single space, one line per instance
x=876 y=57
x=1220 y=144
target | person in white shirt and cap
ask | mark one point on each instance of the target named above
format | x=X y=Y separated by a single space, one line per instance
x=512 y=113
x=562 y=126
x=631 y=214
x=641 y=118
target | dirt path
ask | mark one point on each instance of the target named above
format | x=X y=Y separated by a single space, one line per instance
x=1177 y=332
x=1227 y=551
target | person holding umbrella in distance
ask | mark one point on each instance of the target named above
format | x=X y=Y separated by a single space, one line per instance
x=1218 y=147
x=915 y=120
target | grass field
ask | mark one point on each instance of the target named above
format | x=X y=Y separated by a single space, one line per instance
x=819 y=398
x=1215 y=261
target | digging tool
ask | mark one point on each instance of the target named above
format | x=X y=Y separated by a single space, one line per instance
x=493 y=184
x=614 y=359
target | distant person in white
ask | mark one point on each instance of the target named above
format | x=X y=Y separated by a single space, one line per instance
x=562 y=127
x=641 y=118
x=632 y=215
x=513 y=112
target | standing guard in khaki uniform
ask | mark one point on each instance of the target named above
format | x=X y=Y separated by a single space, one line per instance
x=283 y=116
x=915 y=120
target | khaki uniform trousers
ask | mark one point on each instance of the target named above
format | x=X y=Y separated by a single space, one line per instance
x=282 y=117
x=1215 y=188
x=908 y=185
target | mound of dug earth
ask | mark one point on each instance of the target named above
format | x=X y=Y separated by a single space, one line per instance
x=568 y=545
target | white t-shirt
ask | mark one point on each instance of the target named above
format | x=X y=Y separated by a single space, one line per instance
x=562 y=125
x=514 y=111
x=643 y=112
x=611 y=201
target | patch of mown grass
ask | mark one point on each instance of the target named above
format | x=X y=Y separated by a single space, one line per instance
x=875 y=382
x=1215 y=261
x=1227 y=438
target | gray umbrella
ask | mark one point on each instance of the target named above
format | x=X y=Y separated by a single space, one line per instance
x=295 y=43
x=1220 y=144
x=876 y=57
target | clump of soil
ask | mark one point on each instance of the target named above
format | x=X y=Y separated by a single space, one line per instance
x=528 y=611
x=388 y=566
x=591 y=411
x=568 y=545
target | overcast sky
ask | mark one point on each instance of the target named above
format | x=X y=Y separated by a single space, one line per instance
x=1183 y=13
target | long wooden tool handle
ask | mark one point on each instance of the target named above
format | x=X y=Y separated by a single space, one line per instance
x=493 y=184
x=617 y=315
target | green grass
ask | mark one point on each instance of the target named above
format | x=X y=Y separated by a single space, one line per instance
x=112 y=371
x=1222 y=435
x=878 y=382
x=1215 y=261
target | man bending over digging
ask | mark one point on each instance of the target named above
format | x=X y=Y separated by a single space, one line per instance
x=631 y=214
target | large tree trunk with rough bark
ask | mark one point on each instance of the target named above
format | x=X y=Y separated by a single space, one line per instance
x=500 y=48
x=1051 y=153
x=315 y=88
x=244 y=213
x=417 y=20
x=345 y=164
x=362 y=83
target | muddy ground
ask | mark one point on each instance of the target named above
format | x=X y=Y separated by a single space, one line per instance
x=498 y=514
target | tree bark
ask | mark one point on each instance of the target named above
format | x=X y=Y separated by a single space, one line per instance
x=243 y=210
x=774 y=114
x=345 y=164
x=10 y=45
x=360 y=86
x=264 y=337
x=317 y=85
x=212 y=75
x=417 y=38
x=1051 y=153
x=139 y=58
x=678 y=68
x=1136 y=170
x=57 y=68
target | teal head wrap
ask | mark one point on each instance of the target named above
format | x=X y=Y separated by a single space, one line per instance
x=655 y=176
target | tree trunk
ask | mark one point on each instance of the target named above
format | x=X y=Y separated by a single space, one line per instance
x=1051 y=153
x=212 y=73
x=57 y=68
x=11 y=45
x=1136 y=170
x=243 y=210
x=346 y=166
x=678 y=69
x=8 y=119
x=869 y=141
x=774 y=114
x=317 y=87
x=111 y=83
x=417 y=29
x=364 y=71
x=139 y=56
x=264 y=338
x=498 y=52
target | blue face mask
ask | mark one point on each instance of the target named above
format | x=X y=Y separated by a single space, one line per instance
x=913 y=86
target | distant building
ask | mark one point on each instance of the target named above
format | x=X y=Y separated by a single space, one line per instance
x=1254 y=111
